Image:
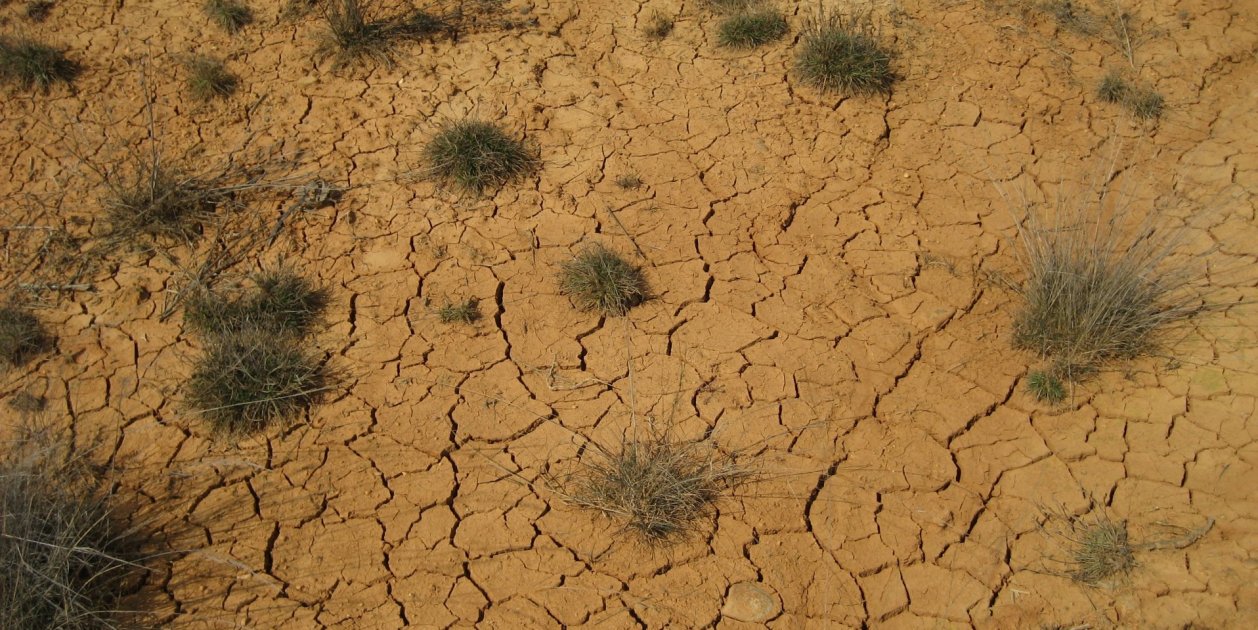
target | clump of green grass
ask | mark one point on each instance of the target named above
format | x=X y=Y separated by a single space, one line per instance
x=209 y=78
x=247 y=381
x=1098 y=290
x=1102 y=550
x=32 y=64
x=1141 y=102
x=63 y=561
x=21 y=335
x=843 y=54
x=477 y=156
x=1046 y=386
x=752 y=29
x=466 y=312
x=659 y=27
x=231 y=15
x=661 y=489
x=353 y=35
x=39 y=10
x=598 y=279
x=283 y=303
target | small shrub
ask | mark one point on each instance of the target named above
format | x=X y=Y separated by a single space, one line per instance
x=599 y=280
x=1102 y=551
x=629 y=181
x=1096 y=291
x=842 y=54
x=659 y=27
x=39 y=10
x=231 y=15
x=467 y=312
x=156 y=201
x=209 y=79
x=283 y=303
x=31 y=64
x=1046 y=387
x=751 y=30
x=477 y=156
x=1141 y=102
x=21 y=335
x=246 y=381
x=62 y=559
x=353 y=35
x=661 y=489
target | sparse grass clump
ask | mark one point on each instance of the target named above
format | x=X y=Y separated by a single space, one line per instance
x=62 y=559
x=21 y=335
x=1097 y=291
x=598 y=279
x=752 y=29
x=660 y=488
x=729 y=7
x=158 y=202
x=659 y=27
x=231 y=15
x=1102 y=551
x=1072 y=17
x=353 y=35
x=477 y=156
x=246 y=381
x=209 y=78
x=32 y=64
x=1141 y=102
x=39 y=10
x=629 y=181
x=1046 y=386
x=282 y=304
x=842 y=54
x=465 y=312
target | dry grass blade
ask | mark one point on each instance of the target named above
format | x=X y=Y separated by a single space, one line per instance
x=661 y=489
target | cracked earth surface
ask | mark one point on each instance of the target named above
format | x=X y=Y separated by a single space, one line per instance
x=822 y=304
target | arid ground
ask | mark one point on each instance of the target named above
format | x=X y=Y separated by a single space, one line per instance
x=833 y=288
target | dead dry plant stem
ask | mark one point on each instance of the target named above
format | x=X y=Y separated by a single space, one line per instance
x=612 y=212
x=1179 y=542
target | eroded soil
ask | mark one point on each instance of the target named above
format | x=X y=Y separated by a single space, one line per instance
x=828 y=303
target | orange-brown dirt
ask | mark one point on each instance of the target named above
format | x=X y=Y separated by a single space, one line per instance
x=826 y=302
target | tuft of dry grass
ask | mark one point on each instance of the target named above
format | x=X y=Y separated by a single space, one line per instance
x=598 y=279
x=659 y=27
x=354 y=35
x=1101 y=551
x=158 y=201
x=629 y=181
x=283 y=303
x=208 y=78
x=1140 y=101
x=247 y=381
x=31 y=64
x=661 y=489
x=466 y=312
x=1099 y=288
x=476 y=156
x=841 y=53
x=63 y=560
x=231 y=15
x=21 y=335
x=752 y=29
x=39 y=10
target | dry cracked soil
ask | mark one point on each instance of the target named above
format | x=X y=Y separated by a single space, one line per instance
x=830 y=301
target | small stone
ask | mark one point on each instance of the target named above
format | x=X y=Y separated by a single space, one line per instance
x=750 y=602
